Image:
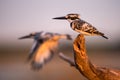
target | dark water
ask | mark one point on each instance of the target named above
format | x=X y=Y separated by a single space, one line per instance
x=14 y=67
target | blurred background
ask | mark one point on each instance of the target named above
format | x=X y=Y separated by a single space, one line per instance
x=21 y=17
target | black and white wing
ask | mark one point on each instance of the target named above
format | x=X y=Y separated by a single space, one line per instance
x=34 y=47
x=86 y=28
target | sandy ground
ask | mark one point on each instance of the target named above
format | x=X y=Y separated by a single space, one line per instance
x=14 y=67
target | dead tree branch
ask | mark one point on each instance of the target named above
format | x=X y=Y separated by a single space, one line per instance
x=67 y=59
x=85 y=67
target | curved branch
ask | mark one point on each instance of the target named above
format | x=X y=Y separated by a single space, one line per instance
x=85 y=67
x=67 y=59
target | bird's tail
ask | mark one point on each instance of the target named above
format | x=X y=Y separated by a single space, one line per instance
x=105 y=37
x=101 y=34
x=36 y=66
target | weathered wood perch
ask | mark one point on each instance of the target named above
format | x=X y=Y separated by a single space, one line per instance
x=85 y=67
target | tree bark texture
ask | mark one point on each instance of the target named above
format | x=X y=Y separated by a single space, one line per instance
x=86 y=68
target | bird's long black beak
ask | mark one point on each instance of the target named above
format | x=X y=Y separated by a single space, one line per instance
x=24 y=37
x=62 y=18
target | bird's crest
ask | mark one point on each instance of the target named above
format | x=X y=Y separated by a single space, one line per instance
x=73 y=16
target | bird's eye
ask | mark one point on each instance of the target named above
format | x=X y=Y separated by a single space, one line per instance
x=73 y=18
x=69 y=17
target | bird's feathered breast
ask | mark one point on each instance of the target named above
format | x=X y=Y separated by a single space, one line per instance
x=44 y=53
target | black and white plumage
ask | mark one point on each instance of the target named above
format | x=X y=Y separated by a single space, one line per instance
x=44 y=46
x=81 y=26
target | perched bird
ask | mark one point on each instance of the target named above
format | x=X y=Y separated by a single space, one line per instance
x=81 y=26
x=44 y=47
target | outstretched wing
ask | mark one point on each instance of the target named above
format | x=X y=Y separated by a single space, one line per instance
x=34 y=48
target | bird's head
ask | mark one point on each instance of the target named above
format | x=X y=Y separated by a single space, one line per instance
x=69 y=17
x=38 y=36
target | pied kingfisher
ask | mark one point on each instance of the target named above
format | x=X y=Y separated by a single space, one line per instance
x=45 y=45
x=81 y=26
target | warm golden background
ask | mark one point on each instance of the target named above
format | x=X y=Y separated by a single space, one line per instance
x=20 y=17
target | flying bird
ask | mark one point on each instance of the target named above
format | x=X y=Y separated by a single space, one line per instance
x=44 y=46
x=81 y=26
